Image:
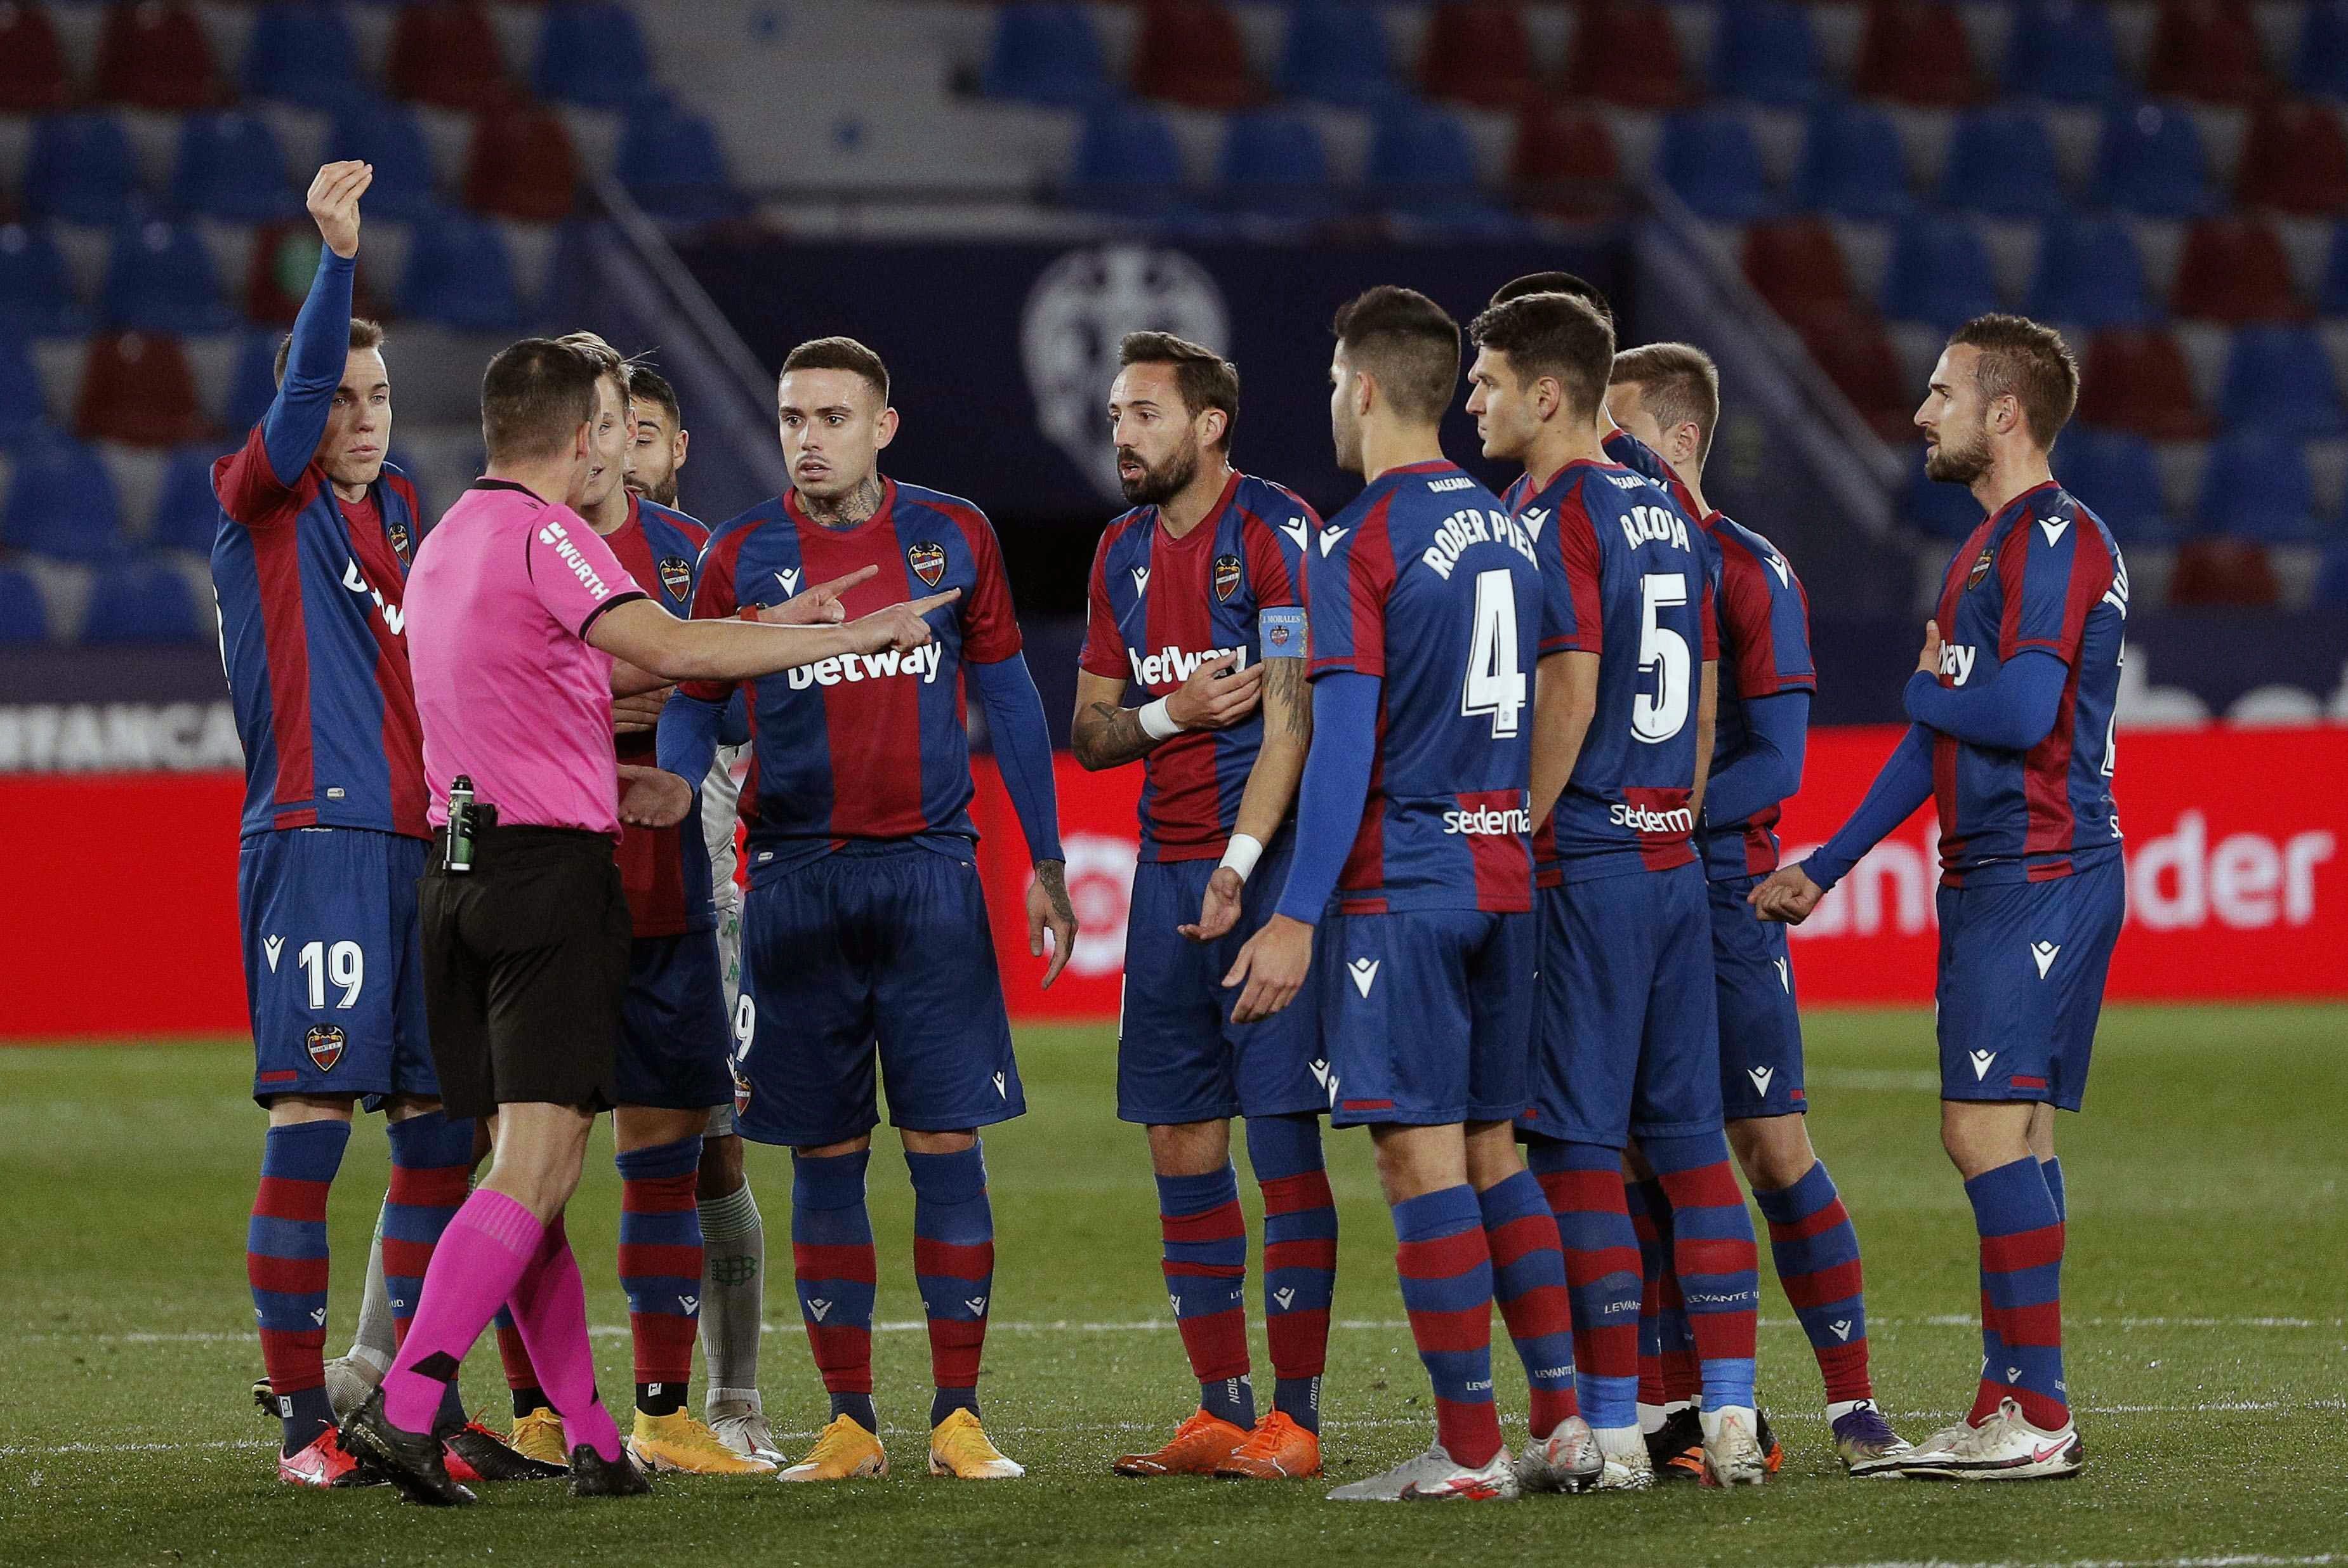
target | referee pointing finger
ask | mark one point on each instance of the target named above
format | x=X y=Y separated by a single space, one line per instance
x=516 y=610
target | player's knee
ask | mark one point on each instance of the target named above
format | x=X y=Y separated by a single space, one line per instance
x=290 y=1109
x=1980 y=1137
x=1189 y=1147
x=920 y=1142
x=1774 y=1151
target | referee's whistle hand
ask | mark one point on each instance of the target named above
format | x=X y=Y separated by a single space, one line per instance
x=650 y=798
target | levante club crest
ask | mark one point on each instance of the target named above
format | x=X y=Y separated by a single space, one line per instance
x=1981 y=568
x=324 y=1043
x=676 y=575
x=399 y=532
x=1227 y=575
x=927 y=559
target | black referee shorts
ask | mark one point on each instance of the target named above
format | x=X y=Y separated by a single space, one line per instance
x=525 y=970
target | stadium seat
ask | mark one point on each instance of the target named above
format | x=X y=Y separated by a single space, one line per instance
x=2063 y=50
x=137 y=389
x=1422 y=163
x=36 y=296
x=252 y=384
x=1048 y=55
x=24 y=618
x=62 y=502
x=2279 y=377
x=160 y=278
x=2332 y=299
x=141 y=601
x=1943 y=510
x=1126 y=161
x=2330 y=581
x=1915 y=52
x=2001 y=164
x=445 y=53
x=279 y=266
x=593 y=52
x=80 y=168
x=2257 y=485
x=1477 y=51
x=1853 y=349
x=461 y=274
x=1765 y=51
x=2090 y=275
x=1627 y=52
x=23 y=410
x=2322 y=59
x=1336 y=53
x=1851 y=164
x=2295 y=161
x=1796 y=265
x=1939 y=273
x=2136 y=378
x=2117 y=475
x=1273 y=161
x=1710 y=159
x=32 y=75
x=2236 y=269
x=156 y=54
x=230 y=167
x=2149 y=161
x=301 y=53
x=674 y=166
x=2223 y=573
x=1565 y=161
x=2207 y=50
x=187 y=513
x=387 y=135
x=522 y=166
x=1190 y=52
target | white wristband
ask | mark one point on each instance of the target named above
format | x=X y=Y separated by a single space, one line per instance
x=1241 y=854
x=1157 y=723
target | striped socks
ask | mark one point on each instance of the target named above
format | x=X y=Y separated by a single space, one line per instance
x=953 y=1262
x=2022 y=1295
x=1529 y=1282
x=1583 y=1183
x=1446 y=1292
x=286 y=1263
x=1205 y=1263
x=1713 y=1254
x=1300 y=1258
x=431 y=1167
x=1816 y=1254
x=833 y=1261
x=660 y=1266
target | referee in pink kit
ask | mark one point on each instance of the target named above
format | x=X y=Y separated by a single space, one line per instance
x=516 y=613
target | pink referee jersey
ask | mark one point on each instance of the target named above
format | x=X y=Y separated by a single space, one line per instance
x=508 y=690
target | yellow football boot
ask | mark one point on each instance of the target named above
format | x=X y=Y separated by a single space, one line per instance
x=958 y=1448
x=681 y=1441
x=539 y=1436
x=843 y=1451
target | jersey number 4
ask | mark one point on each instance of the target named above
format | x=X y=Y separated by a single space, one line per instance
x=1662 y=653
x=1494 y=684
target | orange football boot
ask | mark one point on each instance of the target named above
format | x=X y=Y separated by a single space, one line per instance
x=1199 y=1444
x=1277 y=1449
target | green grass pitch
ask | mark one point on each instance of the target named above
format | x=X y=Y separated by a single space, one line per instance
x=2207 y=1342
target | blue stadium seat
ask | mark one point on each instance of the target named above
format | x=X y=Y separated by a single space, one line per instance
x=141 y=601
x=254 y=384
x=1273 y=162
x=388 y=134
x=2257 y=485
x=24 y=618
x=1336 y=53
x=80 y=168
x=1048 y=54
x=186 y=511
x=1710 y=159
x=303 y=54
x=2000 y=163
x=593 y=52
x=2331 y=297
x=1852 y=165
x=22 y=410
x=675 y=168
x=160 y=278
x=232 y=167
x=2149 y=161
x=1126 y=161
x=36 y=297
x=461 y=274
x=2277 y=376
x=2332 y=578
x=2322 y=64
x=62 y=502
x=2064 y=50
x=1943 y=510
x=2117 y=475
x=1766 y=51
x=1939 y=273
x=1423 y=163
x=2090 y=275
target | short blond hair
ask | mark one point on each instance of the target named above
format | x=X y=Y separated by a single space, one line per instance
x=1679 y=382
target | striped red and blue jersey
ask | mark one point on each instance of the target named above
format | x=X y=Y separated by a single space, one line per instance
x=861 y=746
x=1161 y=606
x=1624 y=575
x=1426 y=582
x=1632 y=454
x=1765 y=648
x=2042 y=574
x=664 y=872
x=313 y=637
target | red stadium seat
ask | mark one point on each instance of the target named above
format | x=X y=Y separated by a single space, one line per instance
x=1914 y=52
x=444 y=52
x=2232 y=574
x=2207 y=50
x=1565 y=161
x=1190 y=52
x=155 y=55
x=2295 y=161
x=2136 y=378
x=32 y=78
x=2235 y=270
x=522 y=166
x=1625 y=52
x=1477 y=52
x=283 y=258
x=1795 y=265
x=137 y=389
x=1852 y=346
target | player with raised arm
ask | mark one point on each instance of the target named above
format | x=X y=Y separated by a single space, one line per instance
x=865 y=922
x=1411 y=888
x=1196 y=600
x=2013 y=702
x=1667 y=396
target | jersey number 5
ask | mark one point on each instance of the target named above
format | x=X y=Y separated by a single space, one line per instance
x=1664 y=653
x=1496 y=681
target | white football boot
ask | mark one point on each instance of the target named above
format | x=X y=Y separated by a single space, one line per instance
x=2004 y=1448
x=1435 y=1477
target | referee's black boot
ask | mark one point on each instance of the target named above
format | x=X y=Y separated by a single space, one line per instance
x=413 y=1461
x=592 y=1475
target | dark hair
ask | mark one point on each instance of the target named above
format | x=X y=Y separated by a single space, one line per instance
x=1556 y=335
x=652 y=387
x=1407 y=342
x=1679 y=381
x=1205 y=378
x=535 y=396
x=365 y=333
x=2032 y=361
x=839 y=353
x=1554 y=283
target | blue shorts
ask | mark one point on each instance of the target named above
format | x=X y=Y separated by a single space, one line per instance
x=2022 y=984
x=333 y=963
x=1760 y=1028
x=675 y=1051
x=1424 y=1016
x=875 y=943
x=1179 y=1057
x=1629 y=1030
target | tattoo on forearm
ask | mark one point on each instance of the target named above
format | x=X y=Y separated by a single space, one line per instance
x=847 y=511
x=1111 y=734
x=1285 y=684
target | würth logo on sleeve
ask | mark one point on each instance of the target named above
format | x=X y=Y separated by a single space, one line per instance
x=676 y=575
x=1227 y=575
x=928 y=561
x=324 y=1043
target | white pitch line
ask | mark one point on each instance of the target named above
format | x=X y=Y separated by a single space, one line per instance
x=2249 y=1561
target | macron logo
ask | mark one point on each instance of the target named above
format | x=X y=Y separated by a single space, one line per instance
x=818 y=1308
x=1320 y=1069
x=272 y=947
x=1297 y=533
x=1785 y=976
x=2053 y=529
x=1841 y=1327
x=1785 y=572
x=1533 y=517
x=1981 y=1060
x=1141 y=579
x=1761 y=1076
x=1365 y=971
x=789 y=579
x=2043 y=954
x=1329 y=538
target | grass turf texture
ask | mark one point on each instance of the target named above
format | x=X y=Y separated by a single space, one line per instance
x=2205 y=1191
